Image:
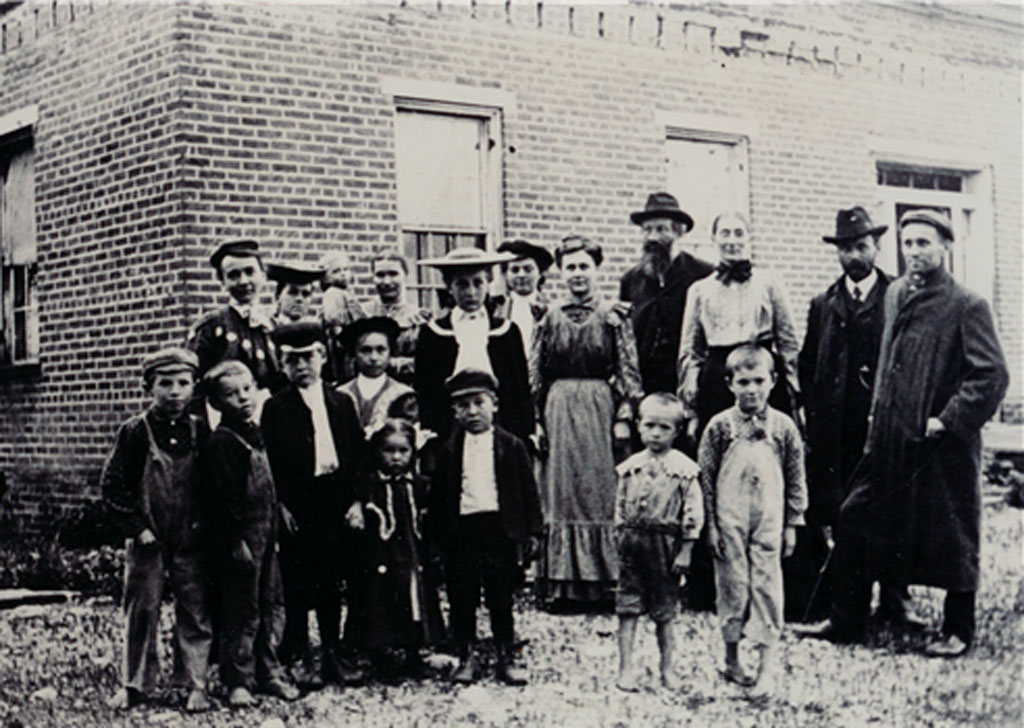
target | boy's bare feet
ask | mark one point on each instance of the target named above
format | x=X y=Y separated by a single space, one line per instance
x=241 y=698
x=467 y=671
x=671 y=681
x=735 y=674
x=125 y=698
x=197 y=701
x=628 y=682
x=280 y=689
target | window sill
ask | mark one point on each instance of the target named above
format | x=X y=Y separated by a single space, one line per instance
x=28 y=370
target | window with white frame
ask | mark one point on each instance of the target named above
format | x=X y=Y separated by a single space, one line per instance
x=20 y=315
x=707 y=172
x=448 y=170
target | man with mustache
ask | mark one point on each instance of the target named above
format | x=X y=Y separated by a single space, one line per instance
x=656 y=287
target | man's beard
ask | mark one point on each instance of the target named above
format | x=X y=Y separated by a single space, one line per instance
x=655 y=260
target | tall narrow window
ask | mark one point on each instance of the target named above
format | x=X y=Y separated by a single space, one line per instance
x=20 y=319
x=448 y=170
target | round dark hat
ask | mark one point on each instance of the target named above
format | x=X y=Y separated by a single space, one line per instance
x=240 y=247
x=294 y=273
x=351 y=334
x=172 y=359
x=662 y=204
x=524 y=249
x=301 y=335
x=852 y=224
x=470 y=381
x=938 y=220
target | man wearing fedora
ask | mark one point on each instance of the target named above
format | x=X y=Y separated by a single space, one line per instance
x=656 y=287
x=913 y=513
x=837 y=373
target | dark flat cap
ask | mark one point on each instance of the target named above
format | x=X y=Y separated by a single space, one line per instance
x=470 y=381
x=938 y=220
x=294 y=273
x=299 y=336
x=374 y=324
x=239 y=247
x=853 y=224
x=525 y=249
x=662 y=204
x=170 y=359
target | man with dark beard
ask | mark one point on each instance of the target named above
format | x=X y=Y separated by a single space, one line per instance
x=656 y=287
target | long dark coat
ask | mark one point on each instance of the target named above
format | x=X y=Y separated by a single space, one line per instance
x=940 y=357
x=436 y=352
x=658 y=317
x=837 y=370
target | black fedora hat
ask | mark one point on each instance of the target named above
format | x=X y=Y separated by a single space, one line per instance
x=662 y=204
x=852 y=224
x=524 y=249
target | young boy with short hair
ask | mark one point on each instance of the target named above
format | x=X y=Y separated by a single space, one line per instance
x=483 y=509
x=149 y=481
x=752 y=474
x=658 y=515
x=243 y=504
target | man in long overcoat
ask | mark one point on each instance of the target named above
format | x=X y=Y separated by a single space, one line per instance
x=913 y=514
x=656 y=287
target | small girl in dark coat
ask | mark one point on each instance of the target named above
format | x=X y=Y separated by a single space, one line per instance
x=402 y=606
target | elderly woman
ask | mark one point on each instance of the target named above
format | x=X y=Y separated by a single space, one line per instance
x=586 y=380
x=737 y=304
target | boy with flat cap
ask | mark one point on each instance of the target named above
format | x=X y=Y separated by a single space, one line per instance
x=313 y=443
x=483 y=509
x=149 y=481
x=469 y=337
x=240 y=330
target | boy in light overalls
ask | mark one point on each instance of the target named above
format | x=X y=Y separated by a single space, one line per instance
x=149 y=482
x=752 y=475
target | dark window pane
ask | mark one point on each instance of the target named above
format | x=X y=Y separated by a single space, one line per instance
x=897 y=178
x=924 y=180
x=20 y=336
x=951 y=182
x=20 y=297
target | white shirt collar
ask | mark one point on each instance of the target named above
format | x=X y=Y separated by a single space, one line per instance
x=370 y=387
x=864 y=285
x=460 y=316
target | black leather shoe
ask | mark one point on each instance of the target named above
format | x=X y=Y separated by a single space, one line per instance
x=335 y=670
x=829 y=632
x=506 y=672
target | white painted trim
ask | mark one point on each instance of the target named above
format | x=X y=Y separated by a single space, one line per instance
x=398 y=87
x=19 y=119
x=682 y=121
x=911 y=151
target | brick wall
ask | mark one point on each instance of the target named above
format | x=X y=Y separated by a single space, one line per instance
x=181 y=124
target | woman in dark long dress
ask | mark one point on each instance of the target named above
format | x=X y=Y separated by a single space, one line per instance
x=586 y=380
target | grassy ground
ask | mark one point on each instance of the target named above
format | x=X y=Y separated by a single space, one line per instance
x=58 y=665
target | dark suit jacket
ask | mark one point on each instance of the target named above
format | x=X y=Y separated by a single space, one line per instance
x=436 y=352
x=288 y=430
x=840 y=342
x=518 y=500
x=658 y=317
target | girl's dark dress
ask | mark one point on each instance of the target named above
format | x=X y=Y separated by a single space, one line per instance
x=402 y=604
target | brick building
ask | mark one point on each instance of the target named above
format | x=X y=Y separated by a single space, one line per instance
x=135 y=135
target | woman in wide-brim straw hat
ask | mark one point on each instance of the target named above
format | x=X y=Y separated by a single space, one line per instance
x=585 y=377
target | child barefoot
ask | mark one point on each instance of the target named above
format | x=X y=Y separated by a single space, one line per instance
x=658 y=516
x=402 y=608
x=752 y=474
x=149 y=481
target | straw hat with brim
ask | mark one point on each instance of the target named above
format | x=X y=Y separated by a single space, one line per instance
x=467 y=258
x=662 y=204
x=296 y=274
x=853 y=224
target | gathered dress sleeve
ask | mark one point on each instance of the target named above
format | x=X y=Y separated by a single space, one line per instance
x=535 y=363
x=784 y=334
x=693 y=348
x=626 y=379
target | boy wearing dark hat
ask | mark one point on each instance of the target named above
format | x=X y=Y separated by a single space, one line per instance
x=313 y=443
x=656 y=287
x=244 y=507
x=470 y=337
x=149 y=481
x=240 y=330
x=483 y=509
x=524 y=276
x=370 y=342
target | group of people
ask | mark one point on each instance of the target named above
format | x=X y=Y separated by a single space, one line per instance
x=368 y=452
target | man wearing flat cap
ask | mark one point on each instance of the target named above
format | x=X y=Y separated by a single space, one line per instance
x=240 y=330
x=913 y=514
x=656 y=287
x=314 y=444
x=470 y=337
x=524 y=276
